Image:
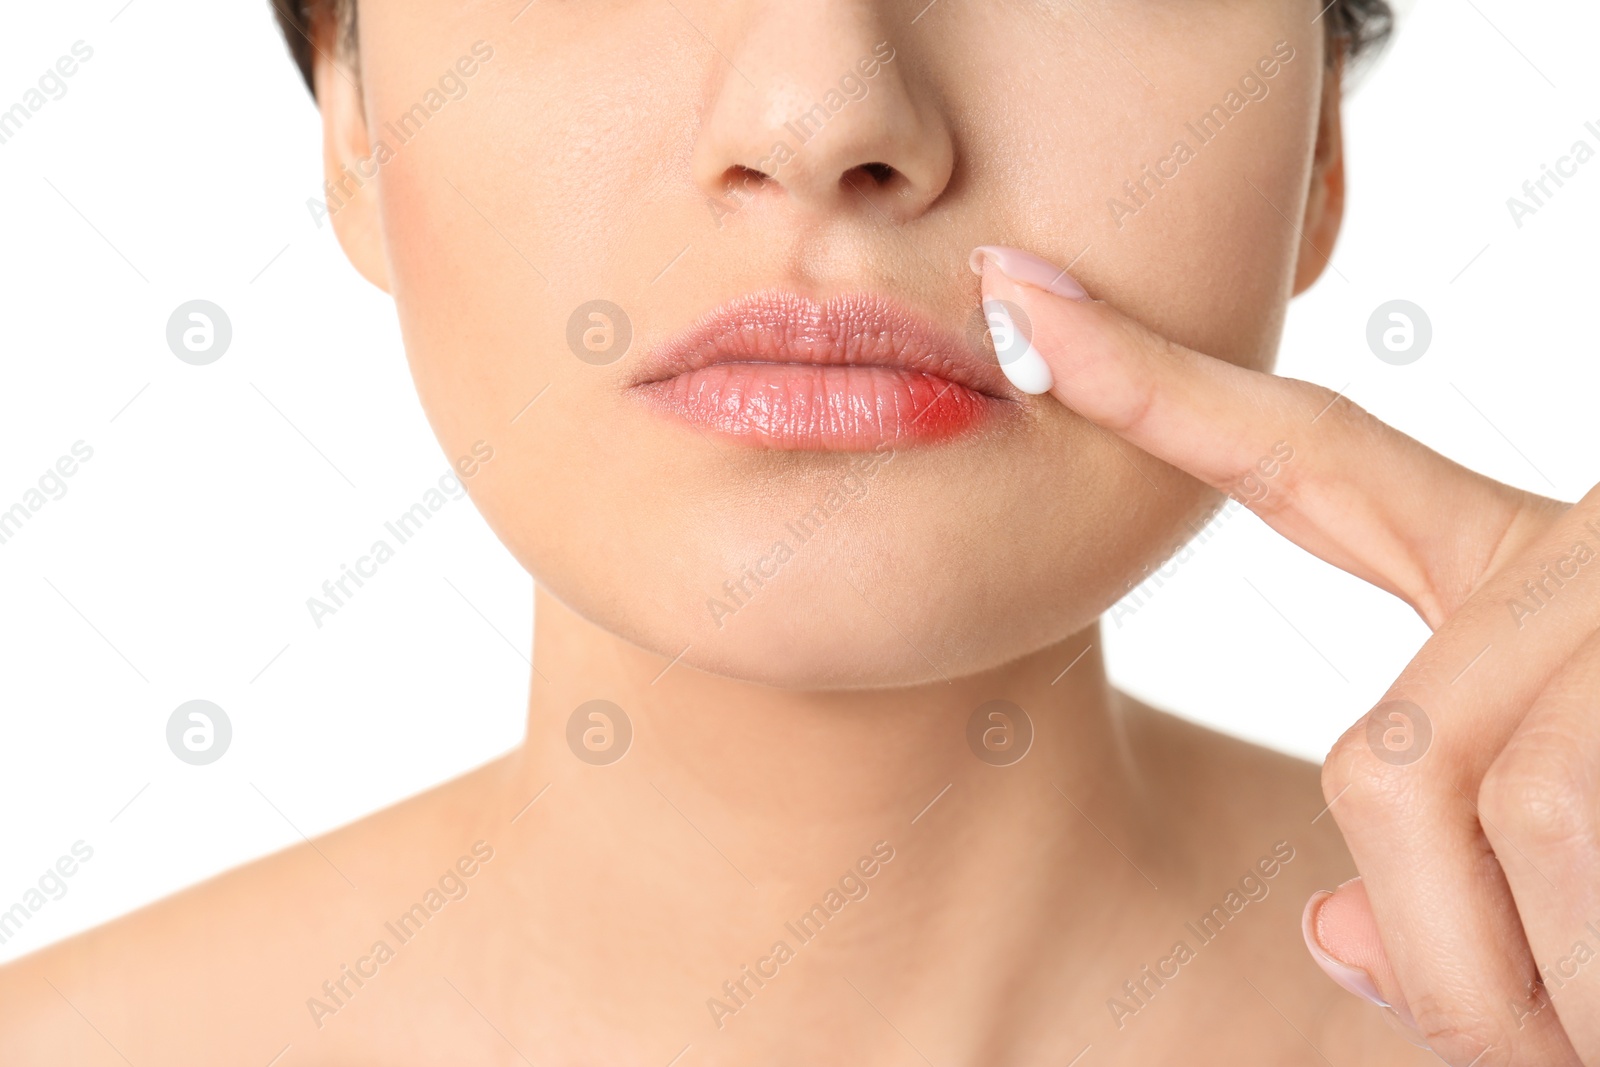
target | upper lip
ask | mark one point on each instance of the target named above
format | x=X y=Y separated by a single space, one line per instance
x=853 y=329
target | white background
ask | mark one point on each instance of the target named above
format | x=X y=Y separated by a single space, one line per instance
x=178 y=563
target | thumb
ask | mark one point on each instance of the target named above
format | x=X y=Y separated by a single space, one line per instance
x=1342 y=936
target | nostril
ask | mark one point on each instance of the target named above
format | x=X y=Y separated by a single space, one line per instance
x=740 y=178
x=879 y=173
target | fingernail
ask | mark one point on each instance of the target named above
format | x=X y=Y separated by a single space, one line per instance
x=1028 y=269
x=1351 y=979
x=1021 y=363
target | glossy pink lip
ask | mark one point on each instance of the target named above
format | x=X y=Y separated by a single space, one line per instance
x=783 y=371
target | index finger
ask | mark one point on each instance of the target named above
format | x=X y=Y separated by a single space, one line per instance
x=1338 y=482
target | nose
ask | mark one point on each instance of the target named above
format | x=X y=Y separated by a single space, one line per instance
x=815 y=109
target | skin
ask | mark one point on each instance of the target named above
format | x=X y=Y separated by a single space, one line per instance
x=1477 y=846
x=771 y=753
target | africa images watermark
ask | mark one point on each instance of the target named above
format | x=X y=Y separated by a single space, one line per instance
x=402 y=528
x=52 y=485
x=1139 y=991
x=1195 y=534
x=452 y=85
x=852 y=886
x=853 y=86
x=737 y=592
x=1537 y=593
x=452 y=886
x=51 y=885
x=1250 y=490
x=52 y=85
x=1152 y=178
x=1555 y=976
x=1566 y=167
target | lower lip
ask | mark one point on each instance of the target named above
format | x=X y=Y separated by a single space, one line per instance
x=818 y=407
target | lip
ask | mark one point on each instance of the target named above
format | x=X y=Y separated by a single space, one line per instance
x=779 y=370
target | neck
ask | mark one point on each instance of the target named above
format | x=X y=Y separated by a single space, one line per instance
x=835 y=769
x=742 y=818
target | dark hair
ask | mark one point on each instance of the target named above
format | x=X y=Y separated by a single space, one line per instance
x=1364 y=26
x=1358 y=26
x=298 y=18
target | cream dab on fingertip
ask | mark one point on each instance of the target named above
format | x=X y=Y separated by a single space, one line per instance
x=1030 y=373
x=1021 y=363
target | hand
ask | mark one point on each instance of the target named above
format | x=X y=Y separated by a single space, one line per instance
x=1470 y=797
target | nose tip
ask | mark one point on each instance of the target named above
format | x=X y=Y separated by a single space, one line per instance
x=865 y=141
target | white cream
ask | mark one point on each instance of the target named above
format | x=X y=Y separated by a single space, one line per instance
x=1021 y=363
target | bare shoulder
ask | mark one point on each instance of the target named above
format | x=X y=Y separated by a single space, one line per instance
x=1261 y=837
x=1263 y=840
x=225 y=968
x=1237 y=786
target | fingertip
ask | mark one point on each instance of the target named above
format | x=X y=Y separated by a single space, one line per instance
x=1025 y=268
x=1095 y=361
x=1018 y=310
x=1341 y=934
x=1346 y=927
x=1352 y=979
x=1020 y=362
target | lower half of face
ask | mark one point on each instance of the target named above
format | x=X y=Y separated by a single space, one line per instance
x=696 y=274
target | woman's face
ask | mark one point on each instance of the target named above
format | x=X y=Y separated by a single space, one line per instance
x=825 y=168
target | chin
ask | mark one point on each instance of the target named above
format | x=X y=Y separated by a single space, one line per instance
x=845 y=616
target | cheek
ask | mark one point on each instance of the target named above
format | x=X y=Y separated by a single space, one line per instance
x=1179 y=201
x=543 y=186
x=533 y=195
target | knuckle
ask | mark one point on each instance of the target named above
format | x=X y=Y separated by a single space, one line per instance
x=1363 y=785
x=1270 y=487
x=1318 y=399
x=1335 y=412
x=1540 y=790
